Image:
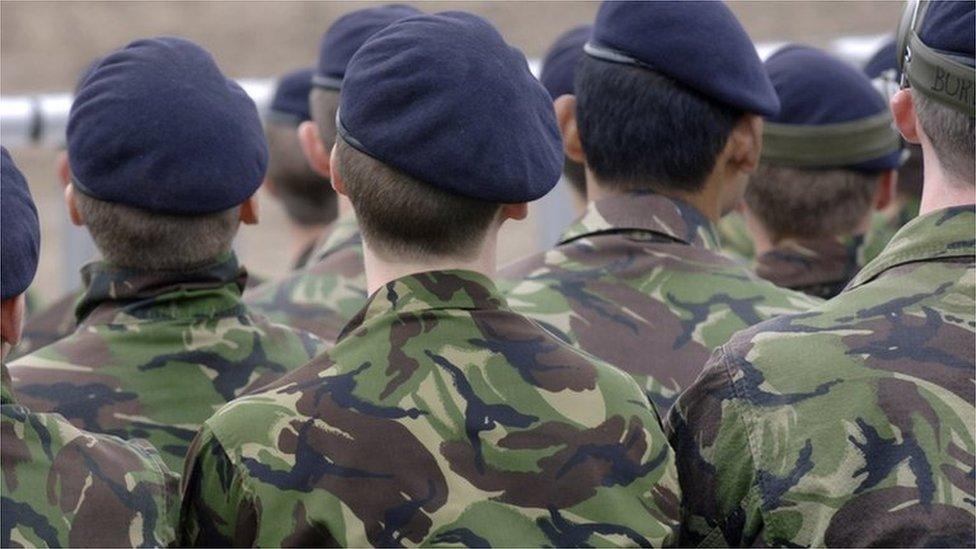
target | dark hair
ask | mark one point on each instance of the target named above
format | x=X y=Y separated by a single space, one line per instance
x=323 y=104
x=575 y=175
x=953 y=136
x=643 y=130
x=404 y=218
x=307 y=197
x=809 y=203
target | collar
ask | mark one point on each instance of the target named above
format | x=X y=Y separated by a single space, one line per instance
x=939 y=235
x=799 y=263
x=214 y=290
x=344 y=233
x=6 y=394
x=645 y=211
x=433 y=290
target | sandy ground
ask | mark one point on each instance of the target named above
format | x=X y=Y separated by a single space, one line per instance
x=43 y=45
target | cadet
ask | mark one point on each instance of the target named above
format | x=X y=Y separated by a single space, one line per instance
x=557 y=74
x=63 y=486
x=829 y=159
x=883 y=70
x=852 y=425
x=668 y=147
x=331 y=288
x=308 y=199
x=440 y=417
x=166 y=155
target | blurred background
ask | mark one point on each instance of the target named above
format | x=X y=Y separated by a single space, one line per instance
x=44 y=45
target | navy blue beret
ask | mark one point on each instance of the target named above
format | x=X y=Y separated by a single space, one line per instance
x=698 y=43
x=559 y=64
x=86 y=72
x=290 y=101
x=950 y=27
x=347 y=35
x=157 y=126
x=831 y=115
x=20 y=232
x=885 y=59
x=445 y=100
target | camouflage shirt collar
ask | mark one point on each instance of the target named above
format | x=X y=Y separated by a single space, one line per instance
x=802 y=263
x=6 y=394
x=942 y=234
x=344 y=232
x=645 y=211
x=428 y=291
x=117 y=295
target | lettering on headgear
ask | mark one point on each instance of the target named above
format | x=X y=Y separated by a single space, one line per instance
x=951 y=85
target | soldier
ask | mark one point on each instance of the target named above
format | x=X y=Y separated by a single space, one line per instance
x=852 y=425
x=440 y=417
x=324 y=295
x=829 y=160
x=166 y=155
x=668 y=146
x=63 y=486
x=883 y=70
x=308 y=199
x=558 y=70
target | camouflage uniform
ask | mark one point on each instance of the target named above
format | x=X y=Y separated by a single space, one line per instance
x=639 y=283
x=321 y=297
x=735 y=237
x=851 y=424
x=65 y=487
x=818 y=267
x=155 y=354
x=440 y=417
x=48 y=324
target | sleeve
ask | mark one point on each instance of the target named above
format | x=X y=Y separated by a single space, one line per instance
x=217 y=510
x=709 y=431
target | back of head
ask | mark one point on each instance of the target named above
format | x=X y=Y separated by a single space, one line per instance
x=557 y=76
x=660 y=90
x=936 y=55
x=440 y=122
x=307 y=197
x=343 y=38
x=824 y=153
x=163 y=149
x=20 y=232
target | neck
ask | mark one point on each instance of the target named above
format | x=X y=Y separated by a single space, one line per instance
x=380 y=271
x=707 y=202
x=303 y=237
x=940 y=190
x=345 y=206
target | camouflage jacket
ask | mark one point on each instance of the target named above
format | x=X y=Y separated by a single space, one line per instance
x=157 y=353
x=48 y=324
x=852 y=424
x=440 y=417
x=639 y=283
x=63 y=487
x=818 y=267
x=321 y=297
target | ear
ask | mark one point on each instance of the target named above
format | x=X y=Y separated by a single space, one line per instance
x=517 y=212
x=745 y=143
x=12 y=319
x=338 y=184
x=250 y=210
x=887 y=188
x=565 y=106
x=313 y=148
x=72 y=203
x=903 y=110
x=64 y=168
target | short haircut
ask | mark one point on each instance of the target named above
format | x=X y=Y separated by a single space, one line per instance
x=307 y=197
x=324 y=103
x=575 y=175
x=810 y=203
x=643 y=130
x=404 y=218
x=135 y=238
x=953 y=136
